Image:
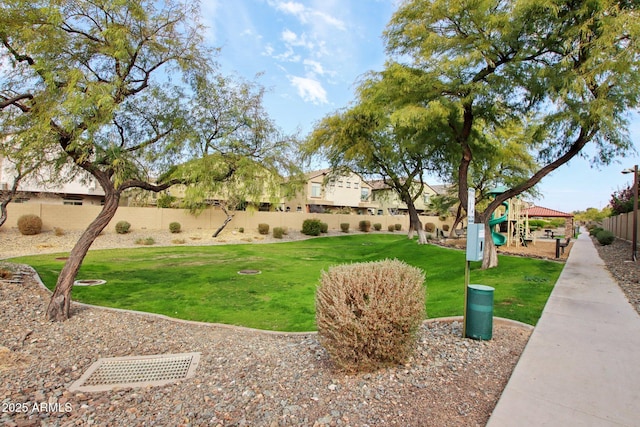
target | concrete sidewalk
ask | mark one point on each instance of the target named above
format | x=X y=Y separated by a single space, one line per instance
x=581 y=366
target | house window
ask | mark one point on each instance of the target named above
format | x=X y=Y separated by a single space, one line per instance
x=426 y=198
x=355 y=185
x=364 y=194
x=340 y=183
x=72 y=201
x=348 y=184
x=20 y=200
x=316 y=189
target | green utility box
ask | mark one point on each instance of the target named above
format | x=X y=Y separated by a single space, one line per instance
x=479 y=316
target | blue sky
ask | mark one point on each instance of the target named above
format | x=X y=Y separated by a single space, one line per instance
x=310 y=54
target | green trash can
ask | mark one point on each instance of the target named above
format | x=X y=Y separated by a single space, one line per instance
x=479 y=316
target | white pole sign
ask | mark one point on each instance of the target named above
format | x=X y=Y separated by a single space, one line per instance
x=471 y=206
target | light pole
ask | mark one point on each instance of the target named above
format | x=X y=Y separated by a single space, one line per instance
x=634 y=233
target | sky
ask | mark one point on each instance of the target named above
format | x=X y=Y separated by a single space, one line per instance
x=310 y=55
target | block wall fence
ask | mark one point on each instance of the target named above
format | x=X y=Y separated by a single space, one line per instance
x=621 y=225
x=151 y=218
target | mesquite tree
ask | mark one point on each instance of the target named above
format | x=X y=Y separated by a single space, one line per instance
x=559 y=75
x=377 y=138
x=118 y=88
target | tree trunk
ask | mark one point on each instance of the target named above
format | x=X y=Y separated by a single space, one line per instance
x=224 y=224
x=415 y=225
x=58 y=309
x=8 y=196
x=3 y=211
x=458 y=220
x=490 y=254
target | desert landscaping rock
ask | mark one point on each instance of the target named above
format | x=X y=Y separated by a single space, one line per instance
x=245 y=377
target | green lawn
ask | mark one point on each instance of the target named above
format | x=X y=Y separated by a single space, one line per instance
x=202 y=283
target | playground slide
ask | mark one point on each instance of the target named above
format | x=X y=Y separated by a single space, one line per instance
x=498 y=238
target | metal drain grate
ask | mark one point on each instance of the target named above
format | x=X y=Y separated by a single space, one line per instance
x=137 y=371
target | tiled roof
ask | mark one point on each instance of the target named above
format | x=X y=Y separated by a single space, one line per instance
x=539 y=211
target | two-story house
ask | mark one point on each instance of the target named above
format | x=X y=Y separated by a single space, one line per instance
x=390 y=203
x=81 y=189
x=327 y=192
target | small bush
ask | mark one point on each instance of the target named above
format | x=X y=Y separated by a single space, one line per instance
x=377 y=226
x=538 y=223
x=429 y=227
x=145 y=241
x=312 y=227
x=324 y=227
x=165 y=200
x=278 y=232
x=398 y=227
x=175 y=227
x=263 y=229
x=122 y=227
x=445 y=227
x=605 y=237
x=595 y=230
x=178 y=241
x=368 y=313
x=364 y=226
x=29 y=225
x=391 y=228
x=344 y=227
x=241 y=229
x=557 y=223
x=58 y=231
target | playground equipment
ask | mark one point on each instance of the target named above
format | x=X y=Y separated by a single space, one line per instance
x=498 y=238
x=518 y=231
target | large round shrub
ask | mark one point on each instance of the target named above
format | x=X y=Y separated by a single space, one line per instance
x=364 y=226
x=175 y=227
x=278 y=232
x=312 y=227
x=29 y=225
x=122 y=227
x=605 y=237
x=263 y=228
x=368 y=314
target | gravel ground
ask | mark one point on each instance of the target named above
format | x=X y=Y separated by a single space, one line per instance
x=617 y=257
x=245 y=377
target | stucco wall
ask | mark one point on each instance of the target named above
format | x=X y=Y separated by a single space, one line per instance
x=79 y=217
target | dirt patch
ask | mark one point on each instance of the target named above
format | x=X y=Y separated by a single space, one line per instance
x=540 y=248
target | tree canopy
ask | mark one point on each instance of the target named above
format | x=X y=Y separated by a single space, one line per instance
x=374 y=138
x=554 y=75
x=129 y=92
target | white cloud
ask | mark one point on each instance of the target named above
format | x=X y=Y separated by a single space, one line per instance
x=309 y=90
x=268 y=50
x=308 y=15
x=292 y=39
x=290 y=7
x=314 y=67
